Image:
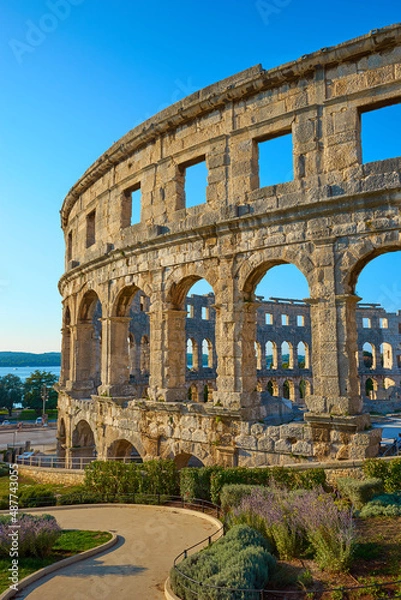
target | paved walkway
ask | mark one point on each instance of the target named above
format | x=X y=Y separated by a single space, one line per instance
x=137 y=567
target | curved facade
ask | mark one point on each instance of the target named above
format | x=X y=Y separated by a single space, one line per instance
x=330 y=220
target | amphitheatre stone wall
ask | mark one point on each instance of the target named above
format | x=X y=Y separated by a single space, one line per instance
x=336 y=215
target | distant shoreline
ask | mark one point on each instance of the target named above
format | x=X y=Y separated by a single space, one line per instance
x=29 y=359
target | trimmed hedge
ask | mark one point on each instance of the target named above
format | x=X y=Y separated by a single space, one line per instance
x=358 y=491
x=388 y=471
x=195 y=482
x=239 y=560
x=115 y=479
x=232 y=495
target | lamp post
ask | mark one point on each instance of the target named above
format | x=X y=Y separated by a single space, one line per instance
x=44 y=394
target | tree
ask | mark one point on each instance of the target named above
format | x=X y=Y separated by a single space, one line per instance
x=10 y=391
x=33 y=391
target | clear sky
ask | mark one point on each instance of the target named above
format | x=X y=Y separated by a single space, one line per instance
x=78 y=74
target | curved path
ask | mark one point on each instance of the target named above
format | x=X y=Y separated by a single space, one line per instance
x=137 y=567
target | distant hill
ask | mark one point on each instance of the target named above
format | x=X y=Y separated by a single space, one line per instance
x=28 y=359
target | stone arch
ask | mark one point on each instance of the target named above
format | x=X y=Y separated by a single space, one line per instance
x=207 y=351
x=272 y=387
x=193 y=394
x=371 y=388
x=83 y=442
x=252 y=270
x=287 y=349
x=288 y=389
x=271 y=351
x=183 y=459
x=183 y=278
x=362 y=252
x=122 y=303
x=89 y=344
x=369 y=355
x=123 y=450
x=302 y=351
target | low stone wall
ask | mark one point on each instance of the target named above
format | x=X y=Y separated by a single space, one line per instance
x=54 y=476
x=382 y=407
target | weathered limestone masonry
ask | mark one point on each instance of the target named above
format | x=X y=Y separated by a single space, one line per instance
x=330 y=221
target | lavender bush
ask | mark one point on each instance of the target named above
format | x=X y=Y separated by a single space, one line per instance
x=36 y=535
x=291 y=520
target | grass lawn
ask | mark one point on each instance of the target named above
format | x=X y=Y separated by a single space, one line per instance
x=24 y=481
x=69 y=543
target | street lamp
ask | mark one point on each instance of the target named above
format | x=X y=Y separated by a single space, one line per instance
x=44 y=394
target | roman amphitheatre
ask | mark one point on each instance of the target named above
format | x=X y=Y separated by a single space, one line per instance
x=335 y=215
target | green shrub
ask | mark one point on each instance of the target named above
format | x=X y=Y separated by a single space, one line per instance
x=239 y=560
x=282 y=476
x=195 y=482
x=114 y=479
x=387 y=505
x=36 y=495
x=388 y=471
x=4 y=469
x=358 y=491
x=81 y=496
x=232 y=494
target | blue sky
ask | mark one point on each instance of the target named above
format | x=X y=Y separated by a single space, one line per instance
x=78 y=74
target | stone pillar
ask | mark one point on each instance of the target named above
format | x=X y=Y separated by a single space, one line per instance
x=334 y=347
x=66 y=347
x=236 y=364
x=115 y=357
x=168 y=354
x=84 y=375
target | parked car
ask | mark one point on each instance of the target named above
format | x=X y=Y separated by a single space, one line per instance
x=6 y=422
x=39 y=421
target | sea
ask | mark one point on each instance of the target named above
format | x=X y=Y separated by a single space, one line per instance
x=24 y=372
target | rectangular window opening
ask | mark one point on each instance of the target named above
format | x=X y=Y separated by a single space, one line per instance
x=285 y=320
x=275 y=160
x=131 y=206
x=69 y=246
x=268 y=319
x=366 y=323
x=91 y=228
x=195 y=182
x=383 y=323
x=300 y=321
x=205 y=313
x=380 y=138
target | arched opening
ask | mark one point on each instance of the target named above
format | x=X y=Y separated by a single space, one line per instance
x=288 y=390
x=89 y=344
x=302 y=356
x=282 y=317
x=207 y=354
x=187 y=460
x=287 y=356
x=193 y=395
x=369 y=356
x=271 y=355
x=304 y=389
x=192 y=355
x=129 y=341
x=83 y=443
x=375 y=279
x=370 y=388
x=388 y=383
x=123 y=450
